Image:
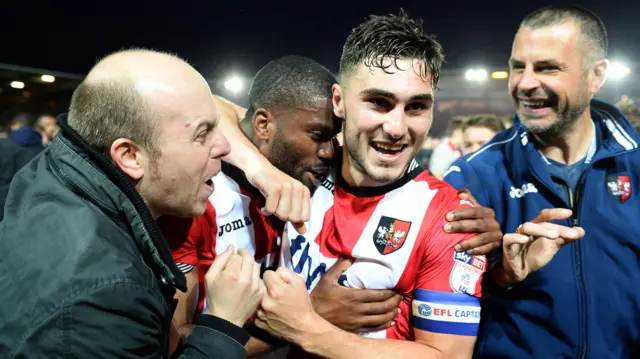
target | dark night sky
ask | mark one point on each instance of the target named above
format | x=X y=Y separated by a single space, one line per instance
x=243 y=35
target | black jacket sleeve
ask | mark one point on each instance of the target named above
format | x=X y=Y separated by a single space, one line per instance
x=124 y=320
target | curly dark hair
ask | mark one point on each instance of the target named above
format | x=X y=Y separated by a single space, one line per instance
x=391 y=37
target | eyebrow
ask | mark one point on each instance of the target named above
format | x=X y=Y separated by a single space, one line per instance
x=205 y=123
x=550 y=62
x=384 y=93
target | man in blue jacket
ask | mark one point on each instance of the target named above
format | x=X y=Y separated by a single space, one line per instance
x=565 y=150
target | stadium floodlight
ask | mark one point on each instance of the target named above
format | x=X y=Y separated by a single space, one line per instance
x=476 y=75
x=234 y=84
x=17 y=84
x=47 y=78
x=499 y=75
x=618 y=70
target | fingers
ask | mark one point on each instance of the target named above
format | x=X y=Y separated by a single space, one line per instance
x=465 y=195
x=306 y=204
x=376 y=329
x=482 y=239
x=470 y=213
x=300 y=227
x=298 y=209
x=234 y=266
x=380 y=320
x=220 y=262
x=334 y=273
x=513 y=238
x=539 y=230
x=384 y=307
x=295 y=208
x=552 y=214
x=272 y=198
x=284 y=205
x=286 y=275
x=272 y=282
x=374 y=295
x=486 y=249
x=247 y=263
x=569 y=234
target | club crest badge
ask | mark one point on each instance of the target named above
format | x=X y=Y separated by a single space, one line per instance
x=390 y=234
x=619 y=187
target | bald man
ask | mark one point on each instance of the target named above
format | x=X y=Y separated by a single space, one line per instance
x=84 y=270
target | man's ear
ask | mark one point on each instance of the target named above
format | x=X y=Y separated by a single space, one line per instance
x=338 y=100
x=599 y=75
x=128 y=157
x=263 y=124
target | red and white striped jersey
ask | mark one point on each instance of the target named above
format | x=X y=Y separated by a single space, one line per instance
x=395 y=235
x=233 y=216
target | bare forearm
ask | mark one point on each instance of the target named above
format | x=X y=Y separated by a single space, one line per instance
x=329 y=341
x=243 y=152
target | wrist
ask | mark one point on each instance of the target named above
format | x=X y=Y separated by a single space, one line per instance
x=229 y=317
x=312 y=331
x=501 y=277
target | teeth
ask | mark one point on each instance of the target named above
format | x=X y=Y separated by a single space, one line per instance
x=533 y=103
x=388 y=147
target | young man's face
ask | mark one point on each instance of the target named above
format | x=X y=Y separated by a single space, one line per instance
x=388 y=114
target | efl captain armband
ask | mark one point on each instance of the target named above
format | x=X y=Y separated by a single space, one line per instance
x=444 y=312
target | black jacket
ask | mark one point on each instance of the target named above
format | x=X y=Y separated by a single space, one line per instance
x=84 y=270
x=20 y=147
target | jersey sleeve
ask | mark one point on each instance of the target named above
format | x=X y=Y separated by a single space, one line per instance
x=462 y=175
x=177 y=232
x=446 y=298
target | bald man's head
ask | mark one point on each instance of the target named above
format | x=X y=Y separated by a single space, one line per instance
x=120 y=97
x=144 y=109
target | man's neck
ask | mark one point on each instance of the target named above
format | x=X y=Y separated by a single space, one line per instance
x=574 y=145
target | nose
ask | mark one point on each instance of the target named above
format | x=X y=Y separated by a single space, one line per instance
x=326 y=150
x=528 y=81
x=221 y=145
x=395 y=124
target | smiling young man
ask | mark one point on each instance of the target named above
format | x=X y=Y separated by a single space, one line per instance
x=385 y=212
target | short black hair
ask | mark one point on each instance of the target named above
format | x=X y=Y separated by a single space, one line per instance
x=391 y=37
x=591 y=26
x=288 y=83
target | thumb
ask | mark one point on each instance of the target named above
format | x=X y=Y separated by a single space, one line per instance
x=300 y=227
x=334 y=273
x=220 y=262
x=465 y=195
x=286 y=274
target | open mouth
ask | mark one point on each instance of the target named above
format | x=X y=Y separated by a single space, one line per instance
x=536 y=104
x=388 y=148
x=209 y=182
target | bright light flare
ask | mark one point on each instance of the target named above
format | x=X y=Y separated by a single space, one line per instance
x=476 y=75
x=618 y=70
x=17 y=84
x=47 y=78
x=499 y=75
x=234 y=84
